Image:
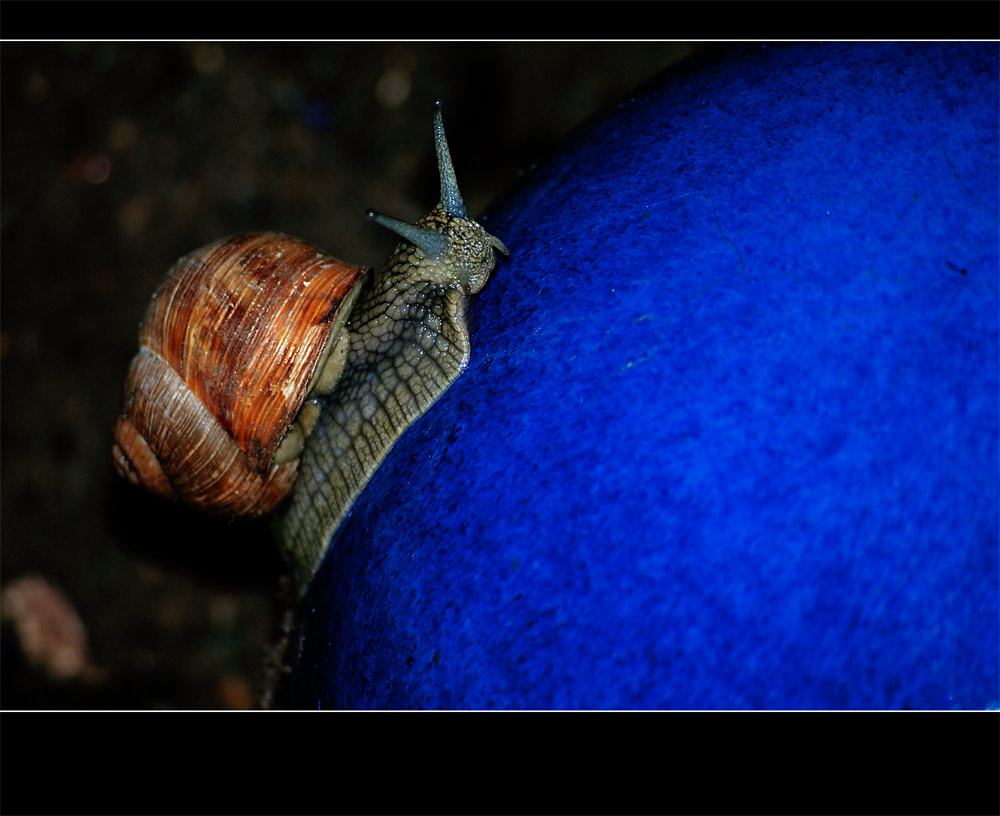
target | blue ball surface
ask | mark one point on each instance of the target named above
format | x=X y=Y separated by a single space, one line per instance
x=729 y=436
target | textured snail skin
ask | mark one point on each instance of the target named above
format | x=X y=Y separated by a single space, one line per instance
x=408 y=342
x=728 y=436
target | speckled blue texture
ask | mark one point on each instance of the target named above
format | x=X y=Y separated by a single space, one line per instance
x=729 y=438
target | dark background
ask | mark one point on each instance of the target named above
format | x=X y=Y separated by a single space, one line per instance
x=117 y=158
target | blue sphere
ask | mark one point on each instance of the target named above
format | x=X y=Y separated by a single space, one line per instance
x=729 y=436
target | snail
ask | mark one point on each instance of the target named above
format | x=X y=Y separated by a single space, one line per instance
x=271 y=375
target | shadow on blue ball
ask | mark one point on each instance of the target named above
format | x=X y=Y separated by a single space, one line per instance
x=729 y=437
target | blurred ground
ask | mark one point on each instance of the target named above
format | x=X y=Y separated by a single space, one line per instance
x=118 y=158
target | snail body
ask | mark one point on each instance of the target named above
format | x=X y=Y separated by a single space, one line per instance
x=270 y=373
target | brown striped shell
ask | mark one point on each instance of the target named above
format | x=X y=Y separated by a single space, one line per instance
x=230 y=348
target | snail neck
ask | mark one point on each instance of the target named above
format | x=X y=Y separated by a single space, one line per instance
x=407 y=343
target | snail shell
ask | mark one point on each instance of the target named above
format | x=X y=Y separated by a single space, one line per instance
x=230 y=346
x=266 y=366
